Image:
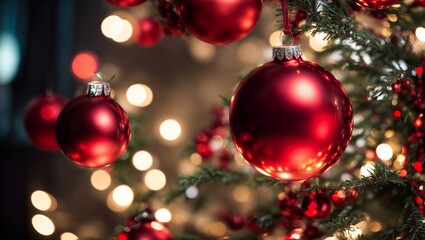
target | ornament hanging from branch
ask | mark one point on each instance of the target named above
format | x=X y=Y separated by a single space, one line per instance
x=219 y=22
x=376 y=4
x=126 y=3
x=289 y=118
x=40 y=118
x=93 y=130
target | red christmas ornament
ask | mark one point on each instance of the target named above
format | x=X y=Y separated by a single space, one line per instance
x=219 y=21
x=376 y=4
x=40 y=118
x=93 y=130
x=145 y=228
x=149 y=32
x=316 y=205
x=290 y=118
x=234 y=221
x=126 y=3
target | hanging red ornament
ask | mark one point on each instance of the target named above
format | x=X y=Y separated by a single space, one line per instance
x=40 y=118
x=149 y=32
x=290 y=118
x=219 y=22
x=145 y=228
x=93 y=130
x=376 y=4
x=316 y=205
x=126 y=3
x=234 y=221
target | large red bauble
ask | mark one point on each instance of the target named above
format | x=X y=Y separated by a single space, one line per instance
x=219 y=21
x=376 y=4
x=40 y=118
x=126 y=3
x=149 y=32
x=290 y=119
x=93 y=131
x=149 y=231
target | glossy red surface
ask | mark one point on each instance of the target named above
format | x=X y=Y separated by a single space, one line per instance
x=219 y=21
x=316 y=205
x=290 y=119
x=93 y=131
x=149 y=32
x=126 y=3
x=149 y=231
x=40 y=118
x=376 y=4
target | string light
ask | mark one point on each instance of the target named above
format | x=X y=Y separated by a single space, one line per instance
x=420 y=34
x=123 y=195
x=111 y=26
x=163 y=215
x=353 y=232
x=384 y=152
x=100 y=179
x=275 y=38
x=318 y=42
x=367 y=169
x=170 y=129
x=43 y=225
x=142 y=160
x=43 y=201
x=155 y=180
x=68 y=236
x=125 y=33
x=139 y=95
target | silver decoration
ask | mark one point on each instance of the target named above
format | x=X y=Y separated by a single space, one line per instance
x=286 y=52
x=97 y=88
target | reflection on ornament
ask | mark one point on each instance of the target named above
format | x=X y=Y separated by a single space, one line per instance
x=376 y=4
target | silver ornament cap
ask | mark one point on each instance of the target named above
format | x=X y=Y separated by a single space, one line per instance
x=286 y=52
x=98 y=87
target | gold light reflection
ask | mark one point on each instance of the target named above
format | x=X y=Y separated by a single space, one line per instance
x=163 y=215
x=68 y=236
x=196 y=158
x=420 y=34
x=155 y=180
x=123 y=195
x=241 y=193
x=217 y=229
x=170 y=129
x=142 y=160
x=139 y=95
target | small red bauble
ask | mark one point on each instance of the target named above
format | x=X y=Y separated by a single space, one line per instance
x=376 y=4
x=290 y=118
x=149 y=32
x=40 y=118
x=93 y=130
x=219 y=21
x=149 y=231
x=316 y=205
x=126 y=3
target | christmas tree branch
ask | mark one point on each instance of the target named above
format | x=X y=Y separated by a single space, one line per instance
x=414 y=228
x=205 y=175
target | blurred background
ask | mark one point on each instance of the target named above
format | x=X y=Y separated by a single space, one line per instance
x=49 y=44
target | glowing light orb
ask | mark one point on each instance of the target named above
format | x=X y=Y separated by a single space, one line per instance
x=384 y=151
x=100 y=179
x=142 y=160
x=123 y=195
x=155 y=179
x=9 y=57
x=420 y=34
x=84 y=65
x=163 y=215
x=43 y=225
x=139 y=95
x=170 y=130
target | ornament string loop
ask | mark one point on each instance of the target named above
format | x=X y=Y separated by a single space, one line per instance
x=285 y=15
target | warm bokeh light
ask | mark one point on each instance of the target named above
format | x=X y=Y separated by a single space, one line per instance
x=155 y=180
x=142 y=160
x=43 y=201
x=9 y=57
x=317 y=42
x=111 y=26
x=367 y=169
x=163 y=215
x=217 y=229
x=123 y=195
x=170 y=129
x=125 y=33
x=275 y=38
x=201 y=51
x=43 y=225
x=384 y=151
x=241 y=193
x=249 y=52
x=113 y=205
x=68 y=236
x=196 y=158
x=84 y=65
x=374 y=226
x=139 y=95
x=420 y=34
x=192 y=192
x=100 y=179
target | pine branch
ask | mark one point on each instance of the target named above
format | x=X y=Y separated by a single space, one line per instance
x=261 y=180
x=414 y=228
x=380 y=177
x=342 y=224
x=205 y=175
